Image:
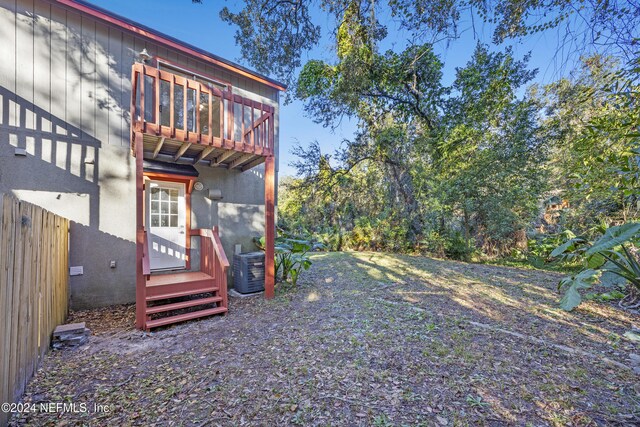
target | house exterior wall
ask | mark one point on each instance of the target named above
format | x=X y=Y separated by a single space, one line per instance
x=65 y=90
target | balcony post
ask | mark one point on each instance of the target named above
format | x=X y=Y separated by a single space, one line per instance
x=140 y=279
x=269 y=226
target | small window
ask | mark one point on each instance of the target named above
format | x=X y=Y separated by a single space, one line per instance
x=164 y=207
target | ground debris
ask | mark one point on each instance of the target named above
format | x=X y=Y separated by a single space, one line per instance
x=347 y=348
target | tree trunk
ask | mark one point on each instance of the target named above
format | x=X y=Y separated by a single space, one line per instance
x=467 y=236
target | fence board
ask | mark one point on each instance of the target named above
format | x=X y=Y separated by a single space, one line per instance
x=7 y=300
x=14 y=342
x=34 y=290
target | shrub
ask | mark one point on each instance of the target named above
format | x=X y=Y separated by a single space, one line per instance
x=457 y=247
x=291 y=256
x=610 y=261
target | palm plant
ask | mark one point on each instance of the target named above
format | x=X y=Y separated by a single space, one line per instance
x=610 y=261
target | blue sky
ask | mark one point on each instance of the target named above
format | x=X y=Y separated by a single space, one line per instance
x=199 y=24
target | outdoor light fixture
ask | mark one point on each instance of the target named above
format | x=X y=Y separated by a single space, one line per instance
x=198 y=186
x=144 y=55
x=214 y=194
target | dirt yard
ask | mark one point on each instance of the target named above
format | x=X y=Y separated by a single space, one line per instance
x=365 y=339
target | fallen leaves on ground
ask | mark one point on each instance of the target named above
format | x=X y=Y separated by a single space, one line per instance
x=365 y=339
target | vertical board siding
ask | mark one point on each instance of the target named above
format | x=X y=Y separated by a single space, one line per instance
x=103 y=101
x=58 y=44
x=42 y=66
x=72 y=84
x=34 y=287
x=117 y=82
x=24 y=64
x=88 y=80
x=8 y=64
x=125 y=103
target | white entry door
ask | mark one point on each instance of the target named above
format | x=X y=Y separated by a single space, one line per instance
x=166 y=219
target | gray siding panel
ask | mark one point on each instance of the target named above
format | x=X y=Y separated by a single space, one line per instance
x=8 y=63
x=128 y=56
x=73 y=86
x=58 y=91
x=88 y=76
x=103 y=101
x=42 y=64
x=117 y=81
x=24 y=63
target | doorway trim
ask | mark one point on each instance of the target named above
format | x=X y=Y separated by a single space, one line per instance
x=183 y=179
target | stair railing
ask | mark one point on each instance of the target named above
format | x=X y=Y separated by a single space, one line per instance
x=146 y=266
x=213 y=260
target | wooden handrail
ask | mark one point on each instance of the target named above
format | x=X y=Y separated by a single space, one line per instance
x=212 y=233
x=240 y=132
x=257 y=123
x=217 y=246
x=211 y=247
x=146 y=266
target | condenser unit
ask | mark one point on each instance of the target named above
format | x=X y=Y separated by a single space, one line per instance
x=248 y=272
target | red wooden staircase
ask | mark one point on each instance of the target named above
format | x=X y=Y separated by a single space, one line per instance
x=177 y=297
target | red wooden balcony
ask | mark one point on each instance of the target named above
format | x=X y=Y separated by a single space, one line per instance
x=190 y=121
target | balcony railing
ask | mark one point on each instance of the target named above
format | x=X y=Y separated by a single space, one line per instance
x=178 y=108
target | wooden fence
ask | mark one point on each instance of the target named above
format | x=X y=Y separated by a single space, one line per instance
x=34 y=265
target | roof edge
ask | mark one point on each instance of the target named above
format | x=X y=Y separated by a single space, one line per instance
x=157 y=36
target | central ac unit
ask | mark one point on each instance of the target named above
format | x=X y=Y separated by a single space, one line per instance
x=248 y=272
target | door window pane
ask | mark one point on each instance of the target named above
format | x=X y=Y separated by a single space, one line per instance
x=163 y=209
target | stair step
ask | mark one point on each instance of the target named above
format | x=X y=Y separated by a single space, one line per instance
x=180 y=305
x=172 y=278
x=182 y=293
x=182 y=317
x=162 y=286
